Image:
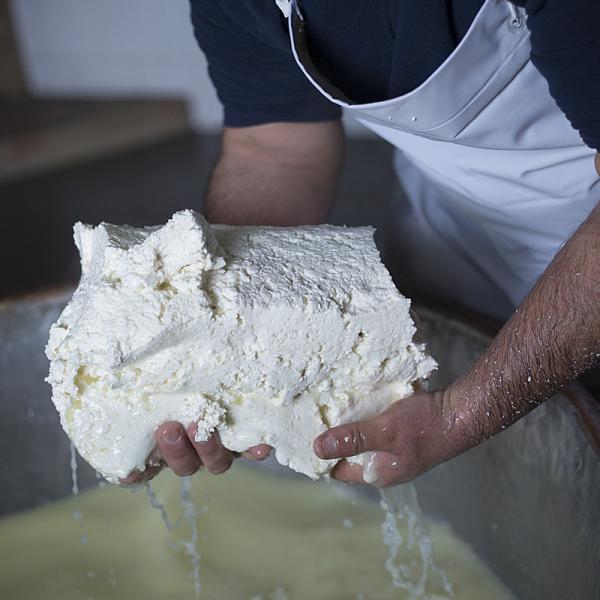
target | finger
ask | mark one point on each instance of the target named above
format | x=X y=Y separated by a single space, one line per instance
x=176 y=449
x=154 y=464
x=139 y=477
x=390 y=470
x=259 y=452
x=347 y=473
x=354 y=438
x=213 y=455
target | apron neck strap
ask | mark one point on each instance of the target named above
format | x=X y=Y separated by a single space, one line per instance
x=287 y=6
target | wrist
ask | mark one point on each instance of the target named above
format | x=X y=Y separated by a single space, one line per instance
x=449 y=431
x=473 y=411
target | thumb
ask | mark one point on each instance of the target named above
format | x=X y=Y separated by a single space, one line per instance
x=354 y=438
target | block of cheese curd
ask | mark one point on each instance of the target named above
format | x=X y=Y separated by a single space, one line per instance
x=269 y=335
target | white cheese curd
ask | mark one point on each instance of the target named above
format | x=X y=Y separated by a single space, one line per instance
x=268 y=334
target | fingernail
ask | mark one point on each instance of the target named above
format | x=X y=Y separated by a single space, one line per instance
x=329 y=446
x=172 y=436
x=189 y=473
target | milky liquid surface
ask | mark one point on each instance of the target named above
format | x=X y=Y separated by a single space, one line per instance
x=259 y=537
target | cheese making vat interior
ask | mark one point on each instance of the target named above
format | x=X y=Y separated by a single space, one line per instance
x=528 y=501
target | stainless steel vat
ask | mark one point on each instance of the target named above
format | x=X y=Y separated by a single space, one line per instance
x=527 y=501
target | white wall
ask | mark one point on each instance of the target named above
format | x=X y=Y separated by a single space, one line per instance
x=115 y=47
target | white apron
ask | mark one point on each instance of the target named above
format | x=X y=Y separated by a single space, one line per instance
x=496 y=177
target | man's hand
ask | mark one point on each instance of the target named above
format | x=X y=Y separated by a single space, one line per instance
x=273 y=174
x=409 y=437
x=177 y=448
x=550 y=340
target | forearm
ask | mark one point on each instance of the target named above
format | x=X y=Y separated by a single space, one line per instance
x=277 y=174
x=550 y=340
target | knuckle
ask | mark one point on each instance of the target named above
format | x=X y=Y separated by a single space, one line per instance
x=387 y=429
x=175 y=452
x=353 y=439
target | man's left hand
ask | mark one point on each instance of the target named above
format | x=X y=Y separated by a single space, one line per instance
x=410 y=437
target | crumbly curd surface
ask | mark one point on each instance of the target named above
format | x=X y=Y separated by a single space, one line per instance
x=269 y=335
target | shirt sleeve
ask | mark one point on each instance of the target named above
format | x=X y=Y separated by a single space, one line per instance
x=252 y=66
x=565 y=39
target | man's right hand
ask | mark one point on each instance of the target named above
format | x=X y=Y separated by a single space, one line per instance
x=274 y=174
x=177 y=448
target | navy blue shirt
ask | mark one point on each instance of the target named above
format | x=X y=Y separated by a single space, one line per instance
x=379 y=49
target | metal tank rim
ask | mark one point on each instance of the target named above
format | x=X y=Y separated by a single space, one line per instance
x=482 y=328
